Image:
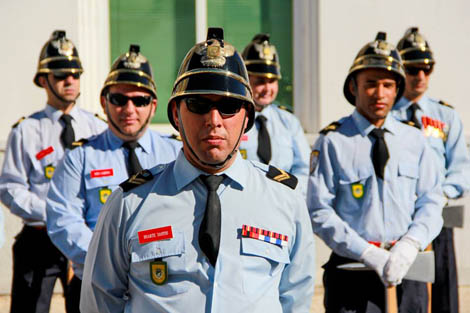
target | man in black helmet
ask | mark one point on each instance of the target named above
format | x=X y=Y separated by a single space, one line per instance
x=98 y=165
x=373 y=195
x=35 y=146
x=442 y=127
x=209 y=232
x=277 y=138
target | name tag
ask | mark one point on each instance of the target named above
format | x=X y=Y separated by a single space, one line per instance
x=155 y=234
x=101 y=173
x=44 y=152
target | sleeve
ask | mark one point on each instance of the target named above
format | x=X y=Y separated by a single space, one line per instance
x=321 y=196
x=105 y=280
x=300 y=167
x=457 y=177
x=298 y=278
x=14 y=182
x=427 y=221
x=66 y=223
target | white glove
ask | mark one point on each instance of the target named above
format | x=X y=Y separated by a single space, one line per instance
x=376 y=258
x=403 y=254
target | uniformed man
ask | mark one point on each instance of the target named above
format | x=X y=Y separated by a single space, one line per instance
x=442 y=127
x=35 y=146
x=374 y=195
x=209 y=232
x=97 y=167
x=277 y=138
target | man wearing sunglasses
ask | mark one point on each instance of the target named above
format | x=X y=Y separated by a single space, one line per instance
x=209 y=232
x=98 y=165
x=35 y=146
x=277 y=138
x=441 y=125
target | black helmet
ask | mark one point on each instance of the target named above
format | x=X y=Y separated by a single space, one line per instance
x=213 y=67
x=377 y=54
x=261 y=58
x=414 y=48
x=58 y=55
x=131 y=68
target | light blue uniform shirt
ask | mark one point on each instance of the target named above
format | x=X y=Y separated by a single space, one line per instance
x=33 y=151
x=451 y=150
x=290 y=150
x=350 y=206
x=250 y=275
x=90 y=173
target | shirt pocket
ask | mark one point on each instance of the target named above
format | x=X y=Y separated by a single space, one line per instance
x=261 y=263
x=408 y=174
x=98 y=190
x=354 y=189
x=172 y=252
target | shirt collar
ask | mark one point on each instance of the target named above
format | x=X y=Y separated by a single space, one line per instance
x=184 y=172
x=265 y=112
x=365 y=127
x=116 y=142
x=55 y=114
x=404 y=103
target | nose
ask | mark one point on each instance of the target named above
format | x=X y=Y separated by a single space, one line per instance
x=421 y=74
x=380 y=91
x=214 y=119
x=129 y=106
x=69 y=79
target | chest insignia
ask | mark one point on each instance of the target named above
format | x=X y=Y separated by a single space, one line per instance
x=434 y=128
x=158 y=272
x=357 y=190
x=264 y=235
x=49 y=171
x=105 y=192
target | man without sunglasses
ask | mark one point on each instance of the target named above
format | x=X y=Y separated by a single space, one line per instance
x=209 y=232
x=97 y=167
x=277 y=138
x=441 y=125
x=35 y=146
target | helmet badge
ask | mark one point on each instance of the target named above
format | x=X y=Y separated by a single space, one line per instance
x=265 y=50
x=381 y=47
x=133 y=59
x=213 y=54
x=63 y=46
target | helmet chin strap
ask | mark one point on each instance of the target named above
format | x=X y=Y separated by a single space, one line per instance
x=56 y=95
x=110 y=119
x=213 y=165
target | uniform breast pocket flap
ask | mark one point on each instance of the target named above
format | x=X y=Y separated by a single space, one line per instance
x=173 y=247
x=408 y=170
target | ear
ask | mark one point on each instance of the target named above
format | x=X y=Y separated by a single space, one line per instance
x=174 y=112
x=352 y=87
x=103 y=103
x=42 y=80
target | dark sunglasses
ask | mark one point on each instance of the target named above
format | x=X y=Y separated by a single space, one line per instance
x=413 y=70
x=225 y=106
x=121 y=100
x=64 y=75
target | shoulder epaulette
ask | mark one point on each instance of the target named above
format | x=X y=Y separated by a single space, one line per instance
x=79 y=143
x=176 y=137
x=285 y=108
x=282 y=177
x=18 y=122
x=101 y=118
x=136 y=180
x=445 y=104
x=332 y=127
x=410 y=123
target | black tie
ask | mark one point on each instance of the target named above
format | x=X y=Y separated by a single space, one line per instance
x=264 y=143
x=67 y=137
x=413 y=108
x=380 y=154
x=209 y=233
x=133 y=164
